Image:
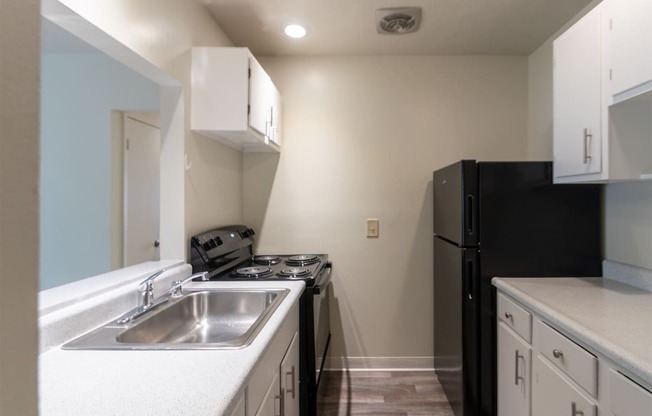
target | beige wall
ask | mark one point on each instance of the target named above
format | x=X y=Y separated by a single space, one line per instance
x=628 y=223
x=163 y=32
x=362 y=136
x=19 y=170
x=540 y=103
x=627 y=220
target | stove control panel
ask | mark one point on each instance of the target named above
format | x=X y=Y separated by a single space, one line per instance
x=216 y=249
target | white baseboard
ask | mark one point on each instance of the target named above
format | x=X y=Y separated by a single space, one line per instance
x=380 y=363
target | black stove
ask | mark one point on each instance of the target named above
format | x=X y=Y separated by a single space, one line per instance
x=226 y=254
x=279 y=267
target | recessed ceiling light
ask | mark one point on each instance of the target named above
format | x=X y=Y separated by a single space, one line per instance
x=295 y=31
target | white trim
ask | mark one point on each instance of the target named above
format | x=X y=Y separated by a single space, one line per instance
x=380 y=363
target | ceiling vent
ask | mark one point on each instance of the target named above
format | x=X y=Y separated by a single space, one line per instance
x=398 y=20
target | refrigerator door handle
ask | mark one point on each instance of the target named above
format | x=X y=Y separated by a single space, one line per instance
x=470 y=215
x=469 y=279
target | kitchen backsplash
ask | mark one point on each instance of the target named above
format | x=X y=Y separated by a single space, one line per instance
x=631 y=275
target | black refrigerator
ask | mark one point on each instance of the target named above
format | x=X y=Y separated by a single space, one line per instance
x=499 y=219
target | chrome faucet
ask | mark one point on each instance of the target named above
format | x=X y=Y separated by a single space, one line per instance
x=146 y=299
x=175 y=290
x=146 y=290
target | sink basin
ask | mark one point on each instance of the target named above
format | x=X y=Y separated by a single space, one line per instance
x=206 y=319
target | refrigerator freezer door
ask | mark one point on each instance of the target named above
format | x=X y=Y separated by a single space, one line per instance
x=455 y=332
x=454 y=190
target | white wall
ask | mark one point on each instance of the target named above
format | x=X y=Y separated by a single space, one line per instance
x=19 y=171
x=163 y=31
x=362 y=136
x=78 y=93
x=628 y=223
x=627 y=218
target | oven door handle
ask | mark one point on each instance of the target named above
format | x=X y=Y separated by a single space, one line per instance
x=323 y=280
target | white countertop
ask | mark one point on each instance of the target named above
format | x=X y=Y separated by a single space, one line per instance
x=607 y=317
x=74 y=382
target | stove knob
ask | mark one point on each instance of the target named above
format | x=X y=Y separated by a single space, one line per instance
x=218 y=241
x=247 y=233
x=206 y=246
x=212 y=243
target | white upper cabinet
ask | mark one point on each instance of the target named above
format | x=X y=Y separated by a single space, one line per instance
x=628 y=40
x=577 y=99
x=234 y=100
x=602 y=95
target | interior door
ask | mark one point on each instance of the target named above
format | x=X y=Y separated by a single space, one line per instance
x=142 y=193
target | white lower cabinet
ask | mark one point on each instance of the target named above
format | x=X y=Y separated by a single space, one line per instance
x=272 y=404
x=274 y=387
x=627 y=398
x=282 y=395
x=514 y=362
x=239 y=408
x=289 y=379
x=553 y=394
x=555 y=375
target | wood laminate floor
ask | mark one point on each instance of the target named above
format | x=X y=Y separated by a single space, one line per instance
x=395 y=393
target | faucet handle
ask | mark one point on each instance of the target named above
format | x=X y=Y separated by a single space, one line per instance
x=146 y=294
x=176 y=289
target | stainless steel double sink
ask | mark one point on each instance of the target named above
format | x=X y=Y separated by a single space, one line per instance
x=201 y=319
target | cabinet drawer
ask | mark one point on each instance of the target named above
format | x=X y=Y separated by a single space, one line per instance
x=627 y=397
x=575 y=361
x=515 y=317
x=553 y=395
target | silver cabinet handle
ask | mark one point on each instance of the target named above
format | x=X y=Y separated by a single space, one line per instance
x=293 y=389
x=574 y=411
x=508 y=315
x=516 y=376
x=557 y=353
x=587 y=145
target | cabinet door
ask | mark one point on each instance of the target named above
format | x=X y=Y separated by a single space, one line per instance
x=577 y=97
x=276 y=112
x=239 y=408
x=290 y=378
x=627 y=43
x=260 y=98
x=271 y=404
x=628 y=398
x=514 y=380
x=554 y=395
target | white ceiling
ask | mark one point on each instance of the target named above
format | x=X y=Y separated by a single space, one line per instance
x=513 y=27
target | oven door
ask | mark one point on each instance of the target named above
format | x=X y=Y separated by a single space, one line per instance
x=321 y=293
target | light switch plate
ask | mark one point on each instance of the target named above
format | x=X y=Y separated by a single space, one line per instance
x=372 y=228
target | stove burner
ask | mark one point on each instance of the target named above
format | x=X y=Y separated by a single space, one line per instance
x=294 y=272
x=267 y=260
x=302 y=260
x=256 y=271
